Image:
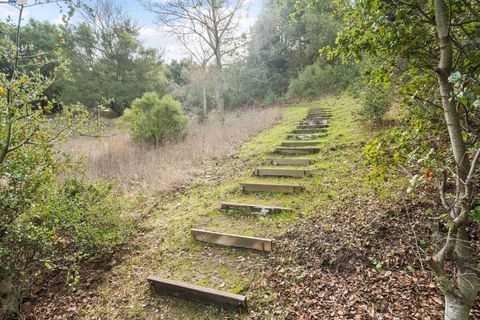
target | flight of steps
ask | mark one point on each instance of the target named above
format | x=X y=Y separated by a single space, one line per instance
x=312 y=127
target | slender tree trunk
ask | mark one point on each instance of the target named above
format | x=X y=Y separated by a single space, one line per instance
x=205 y=101
x=461 y=290
x=220 y=86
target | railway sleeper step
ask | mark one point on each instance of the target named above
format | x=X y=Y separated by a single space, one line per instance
x=300 y=137
x=192 y=292
x=308 y=131
x=299 y=143
x=296 y=151
x=252 y=208
x=232 y=240
x=274 y=172
x=309 y=126
x=266 y=187
x=290 y=161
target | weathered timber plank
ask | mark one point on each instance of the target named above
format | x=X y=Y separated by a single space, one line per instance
x=300 y=137
x=265 y=187
x=299 y=144
x=197 y=293
x=314 y=121
x=319 y=112
x=307 y=131
x=319 y=115
x=273 y=172
x=296 y=151
x=290 y=161
x=263 y=210
x=308 y=126
x=232 y=240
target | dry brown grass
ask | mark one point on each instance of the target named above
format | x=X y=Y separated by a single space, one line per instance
x=142 y=168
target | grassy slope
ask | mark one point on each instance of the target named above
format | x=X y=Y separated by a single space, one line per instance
x=168 y=251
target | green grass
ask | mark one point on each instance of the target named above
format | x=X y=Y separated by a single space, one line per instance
x=168 y=250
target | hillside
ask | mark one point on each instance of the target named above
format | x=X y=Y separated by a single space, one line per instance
x=348 y=248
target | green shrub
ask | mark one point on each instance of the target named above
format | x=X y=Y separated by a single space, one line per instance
x=318 y=79
x=63 y=225
x=155 y=121
x=376 y=103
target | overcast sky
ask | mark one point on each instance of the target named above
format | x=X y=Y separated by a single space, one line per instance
x=151 y=35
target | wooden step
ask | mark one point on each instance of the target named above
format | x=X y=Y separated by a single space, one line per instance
x=315 y=112
x=296 y=151
x=197 y=293
x=319 y=114
x=299 y=144
x=290 y=161
x=274 y=172
x=308 y=126
x=307 y=131
x=317 y=119
x=232 y=240
x=263 y=210
x=300 y=137
x=265 y=187
x=314 y=121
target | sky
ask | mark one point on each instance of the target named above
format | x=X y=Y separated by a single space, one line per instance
x=150 y=34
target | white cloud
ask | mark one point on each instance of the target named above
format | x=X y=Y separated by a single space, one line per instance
x=159 y=38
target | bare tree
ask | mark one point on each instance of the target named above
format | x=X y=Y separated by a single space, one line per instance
x=214 y=22
x=202 y=54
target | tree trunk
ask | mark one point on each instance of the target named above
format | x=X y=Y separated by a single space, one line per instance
x=455 y=309
x=220 y=96
x=205 y=101
x=220 y=87
x=461 y=290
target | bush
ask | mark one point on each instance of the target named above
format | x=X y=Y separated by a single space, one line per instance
x=66 y=224
x=155 y=121
x=376 y=103
x=319 y=78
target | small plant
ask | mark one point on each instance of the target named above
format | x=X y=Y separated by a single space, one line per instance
x=377 y=264
x=155 y=121
x=376 y=103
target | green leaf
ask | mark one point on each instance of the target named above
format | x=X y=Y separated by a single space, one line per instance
x=475 y=214
x=455 y=77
